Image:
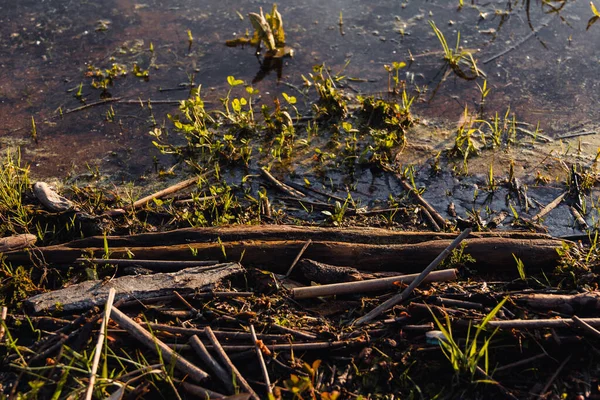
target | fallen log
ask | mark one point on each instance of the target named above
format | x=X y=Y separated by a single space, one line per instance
x=17 y=242
x=491 y=254
x=87 y=294
x=285 y=232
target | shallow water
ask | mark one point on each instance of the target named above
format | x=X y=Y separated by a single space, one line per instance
x=548 y=75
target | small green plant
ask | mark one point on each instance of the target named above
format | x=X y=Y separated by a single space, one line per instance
x=465 y=361
x=595 y=17
x=460 y=61
x=15 y=216
x=339 y=211
x=393 y=75
x=332 y=102
x=520 y=267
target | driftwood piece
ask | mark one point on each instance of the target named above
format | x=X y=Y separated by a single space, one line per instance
x=491 y=253
x=17 y=242
x=50 y=199
x=91 y=293
x=156 y=345
x=371 y=285
x=563 y=303
x=285 y=232
x=325 y=273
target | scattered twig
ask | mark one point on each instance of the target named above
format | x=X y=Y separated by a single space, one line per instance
x=99 y=343
x=289 y=271
x=531 y=34
x=430 y=219
x=520 y=362
x=158 y=346
x=556 y=373
x=218 y=349
x=551 y=206
x=200 y=392
x=170 y=190
x=282 y=186
x=261 y=360
x=436 y=216
x=587 y=327
x=294 y=332
x=402 y=296
x=226 y=335
x=211 y=363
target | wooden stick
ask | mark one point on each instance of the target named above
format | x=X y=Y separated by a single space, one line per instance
x=205 y=295
x=3 y=314
x=520 y=362
x=430 y=219
x=541 y=323
x=298 y=334
x=212 y=364
x=227 y=335
x=551 y=206
x=294 y=346
x=228 y=364
x=158 y=346
x=289 y=271
x=281 y=186
x=556 y=373
x=370 y=285
x=402 y=296
x=261 y=361
x=200 y=392
x=436 y=216
x=100 y=343
x=458 y=303
x=587 y=327
x=171 y=189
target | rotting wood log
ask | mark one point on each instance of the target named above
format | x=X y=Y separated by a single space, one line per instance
x=325 y=273
x=563 y=303
x=91 y=293
x=491 y=253
x=285 y=232
x=17 y=242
